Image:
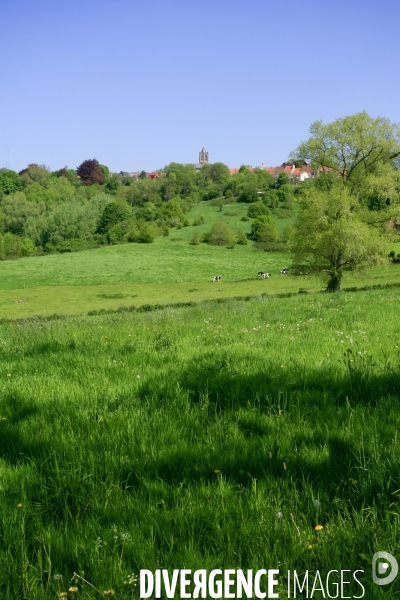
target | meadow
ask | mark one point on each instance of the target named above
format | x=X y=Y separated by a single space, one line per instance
x=171 y=270
x=214 y=436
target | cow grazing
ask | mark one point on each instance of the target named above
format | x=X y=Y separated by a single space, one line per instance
x=284 y=272
x=264 y=275
x=216 y=278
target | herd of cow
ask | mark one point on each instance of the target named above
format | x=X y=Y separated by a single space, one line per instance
x=261 y=274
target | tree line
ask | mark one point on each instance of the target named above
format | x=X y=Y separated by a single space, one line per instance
x=43 y=212
x=348 y=214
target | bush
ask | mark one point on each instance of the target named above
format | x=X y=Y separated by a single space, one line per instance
x=264 y=230
x=249 y=194
x=221 y=234
x=245 y=218
x=271 y=198
x=241 y=238
x=27 y=247
x=145 y=235
x=256 y=210
x=195 y=238
x=199 y=220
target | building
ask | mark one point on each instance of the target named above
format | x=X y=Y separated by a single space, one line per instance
x=203 y=158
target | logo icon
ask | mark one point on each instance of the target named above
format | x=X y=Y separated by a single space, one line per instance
x=384 y=563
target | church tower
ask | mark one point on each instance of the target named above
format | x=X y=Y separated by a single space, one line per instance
x=203 y=157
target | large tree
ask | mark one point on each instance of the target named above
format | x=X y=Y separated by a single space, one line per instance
x=90 y=172
x=9 y=182
x=335 y=234
x=351 y=146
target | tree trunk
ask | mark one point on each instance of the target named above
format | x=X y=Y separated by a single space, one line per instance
x=334 y=281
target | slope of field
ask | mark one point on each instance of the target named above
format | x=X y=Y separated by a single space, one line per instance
x=168 y=260
x=217 y=436
x=168 y=271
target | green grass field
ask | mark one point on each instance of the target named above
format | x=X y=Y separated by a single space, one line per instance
x=211 y=436
x=168 y=271
x=200 y=438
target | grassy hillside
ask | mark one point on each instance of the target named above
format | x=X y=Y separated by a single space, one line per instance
x=168 y=271
x=217 y=436
x=168 y=260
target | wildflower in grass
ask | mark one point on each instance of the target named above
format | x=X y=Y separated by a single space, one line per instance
x=279 y=515
x=284 y=466
x=19 y=505
x=8 y=374
x=138 y=376
x=217 y=471
x=310 y=546
x=73 y=589
x=63 y=595
x=4 y=418
x=317 y=503
x=318 y=527
x=57 y=577
x=109 y=593
x=131 y=580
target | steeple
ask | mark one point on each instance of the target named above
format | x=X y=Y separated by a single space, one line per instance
x=203 y=157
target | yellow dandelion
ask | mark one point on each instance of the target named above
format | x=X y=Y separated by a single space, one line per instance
x=310 y=547
x=4 y=418
x=109 y=593
x=19 y=505
x=319 y=527
x=73 y=589
x=217 y=471
x=8 y=374
x=282 y=366
x=63 y=594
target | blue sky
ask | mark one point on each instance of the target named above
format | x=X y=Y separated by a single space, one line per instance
x=138 y=85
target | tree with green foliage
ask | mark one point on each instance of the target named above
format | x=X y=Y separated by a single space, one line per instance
x=10 y=182
x=257 y=209
x=249 y=192
x=351 y=146
x=283 y=179
x=114 y=213
x=35 y=174
x=68 y=174
x=264 y=226
x=286 y=196
x=17 y=209
x=271 y=198
x=333 y=235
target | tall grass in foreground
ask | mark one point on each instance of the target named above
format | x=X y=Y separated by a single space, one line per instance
x=217 y=436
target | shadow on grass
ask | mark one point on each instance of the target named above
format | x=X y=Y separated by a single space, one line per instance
x=15 y=410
